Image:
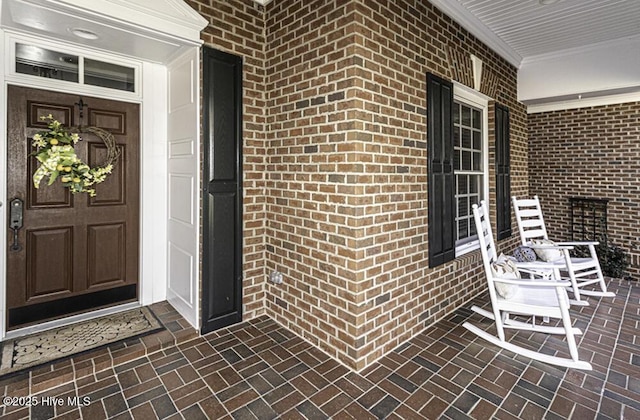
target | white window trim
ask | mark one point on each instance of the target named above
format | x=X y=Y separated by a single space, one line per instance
x=465 y=94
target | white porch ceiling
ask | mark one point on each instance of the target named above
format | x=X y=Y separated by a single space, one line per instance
x=570 y=53
x=527 y=28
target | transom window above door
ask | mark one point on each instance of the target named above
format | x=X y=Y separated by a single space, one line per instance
x=42 y=62
x=53 y=65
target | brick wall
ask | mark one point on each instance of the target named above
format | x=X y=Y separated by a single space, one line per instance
x=589 y=152
x=346 y=188
x=335 y=164
x=315 y=162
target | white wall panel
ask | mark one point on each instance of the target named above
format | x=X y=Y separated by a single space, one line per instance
x=181 y=148
x=183 y=181
x=181 y=263
x=181 y=199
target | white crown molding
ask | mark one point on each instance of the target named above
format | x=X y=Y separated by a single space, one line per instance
x=152 y=30
x=584 y=103
x=173 y=17
x=460 y=14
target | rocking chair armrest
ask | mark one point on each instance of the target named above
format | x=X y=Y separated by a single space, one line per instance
x=525 y=282
x=555 y=246
x=578 y=243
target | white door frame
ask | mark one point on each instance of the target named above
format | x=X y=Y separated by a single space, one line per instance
x=152 y=98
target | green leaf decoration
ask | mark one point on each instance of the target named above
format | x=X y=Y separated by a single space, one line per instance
x=52 y=177
x=59 y=160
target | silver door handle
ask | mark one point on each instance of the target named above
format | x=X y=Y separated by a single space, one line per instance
x=15 y=221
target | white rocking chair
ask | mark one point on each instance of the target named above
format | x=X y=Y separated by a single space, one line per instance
x=533 y=298
x=581 y=271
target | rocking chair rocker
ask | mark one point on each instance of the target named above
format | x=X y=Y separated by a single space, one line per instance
x=581 y=271
x=527 y=297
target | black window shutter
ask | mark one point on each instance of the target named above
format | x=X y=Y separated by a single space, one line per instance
x=442 y=236
x=503 y=172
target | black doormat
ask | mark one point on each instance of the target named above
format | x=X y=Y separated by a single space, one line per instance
x=62 y=342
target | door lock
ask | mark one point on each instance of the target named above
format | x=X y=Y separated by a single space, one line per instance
x=15 y=221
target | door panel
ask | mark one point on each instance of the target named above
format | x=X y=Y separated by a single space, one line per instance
x=114 y=122
x=55 y=278
x=111 y=192
x=105 y=254
x=73 y=246
x=61 y=112
x=56 y=195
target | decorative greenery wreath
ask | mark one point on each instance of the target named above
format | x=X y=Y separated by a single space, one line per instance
x=58 y=160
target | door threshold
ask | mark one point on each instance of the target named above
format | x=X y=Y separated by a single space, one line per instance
x=69 y=320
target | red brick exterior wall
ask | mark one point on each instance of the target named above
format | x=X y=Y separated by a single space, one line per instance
x=336 y=165
x=589 y=152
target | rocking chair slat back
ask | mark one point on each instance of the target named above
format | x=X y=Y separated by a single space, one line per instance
x=530 y=221
x=485 y=237
x=528 y=213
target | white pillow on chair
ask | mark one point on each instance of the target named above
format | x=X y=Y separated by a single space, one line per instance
x=505 y=268
x=548 y=255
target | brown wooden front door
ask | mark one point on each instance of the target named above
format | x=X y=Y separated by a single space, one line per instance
x=77 y=253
